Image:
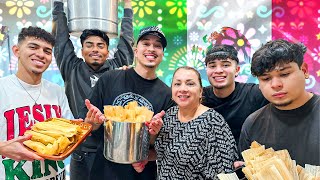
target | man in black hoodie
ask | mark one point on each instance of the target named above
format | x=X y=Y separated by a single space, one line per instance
x=81 y=75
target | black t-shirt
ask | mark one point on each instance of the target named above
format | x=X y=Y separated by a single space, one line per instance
x=244 y=100
x=296 y=130
x=119 y=88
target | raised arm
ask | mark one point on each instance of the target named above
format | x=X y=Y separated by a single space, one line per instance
x=124 y=54
x=63 y=49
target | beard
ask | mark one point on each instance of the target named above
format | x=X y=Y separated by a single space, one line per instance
x=282 y=104
x=95 y=63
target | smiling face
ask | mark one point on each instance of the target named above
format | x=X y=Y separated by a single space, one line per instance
x=34 y=55
x=95 y=51
x=186 y=88
x=222 y=73
x=149 y=52
x=285 y=85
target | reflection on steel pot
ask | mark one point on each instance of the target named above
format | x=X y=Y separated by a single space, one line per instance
x=93 y=14
x=125 y=142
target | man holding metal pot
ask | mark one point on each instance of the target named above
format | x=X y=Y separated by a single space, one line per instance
x=80 y=75
x=117 y=88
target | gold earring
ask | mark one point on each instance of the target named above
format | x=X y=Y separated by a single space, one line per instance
x=306 y=76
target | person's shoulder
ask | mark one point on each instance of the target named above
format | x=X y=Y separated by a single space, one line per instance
x=316 y=99
x=162 y=86
x=247 y=86
x=162 y=83
x=50 y=85
x=4 y=80
x=249 y=90
x=113 y=73
x=212 y=114
x=257 y=115
x=171 y=110
x=214 y=121
x=208 y=89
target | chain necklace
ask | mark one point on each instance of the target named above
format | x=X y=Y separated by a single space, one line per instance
x=35 y=100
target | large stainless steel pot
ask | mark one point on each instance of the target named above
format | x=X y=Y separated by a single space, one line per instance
x=125 y=142
x=93 y=14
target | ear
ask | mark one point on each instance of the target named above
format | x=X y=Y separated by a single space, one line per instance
x=135 y=50
x=237 y=70
x=15 y=50
x=304 y=69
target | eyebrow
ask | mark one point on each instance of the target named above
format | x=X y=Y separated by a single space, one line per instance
x=35 y=44
x=186 y=80
x=282 y=68
x=225 y=60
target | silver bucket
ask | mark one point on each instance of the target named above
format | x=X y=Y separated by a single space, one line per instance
x=93 y=14
x=125 y=142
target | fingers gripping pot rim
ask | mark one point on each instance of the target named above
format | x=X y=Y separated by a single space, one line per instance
x=126 y=136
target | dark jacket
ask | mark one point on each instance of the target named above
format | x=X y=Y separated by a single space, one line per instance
x=76 y=74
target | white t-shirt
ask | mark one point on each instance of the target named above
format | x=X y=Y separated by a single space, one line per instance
x=18 y=113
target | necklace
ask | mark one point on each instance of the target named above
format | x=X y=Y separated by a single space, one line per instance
x=35 y=100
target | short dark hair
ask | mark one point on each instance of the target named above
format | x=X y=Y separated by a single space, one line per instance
x=275 y=53
x=93 y=32
x=221 y=51
x=37 y=33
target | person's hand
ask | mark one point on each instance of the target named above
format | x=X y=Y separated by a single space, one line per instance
x=94 y=115
x=156 y=123
x=124 y=67
x=14 y=149
x=139 y=166
x=238 y=164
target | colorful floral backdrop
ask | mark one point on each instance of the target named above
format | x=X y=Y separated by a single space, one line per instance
x=190 y=26
x=296 y=20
